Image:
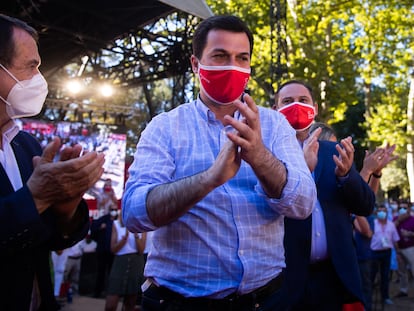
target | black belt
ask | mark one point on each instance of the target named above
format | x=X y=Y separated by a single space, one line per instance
x=74 y=257
x=231 y=300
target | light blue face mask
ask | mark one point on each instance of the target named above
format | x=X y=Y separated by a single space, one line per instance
x=394 y=207
x=402 y=211
x=381 y=215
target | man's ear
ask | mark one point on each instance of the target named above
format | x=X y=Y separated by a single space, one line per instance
x=315 y=105
x=194 y=64
x=274 y=107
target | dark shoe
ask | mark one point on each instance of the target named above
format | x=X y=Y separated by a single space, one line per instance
x=401 y=294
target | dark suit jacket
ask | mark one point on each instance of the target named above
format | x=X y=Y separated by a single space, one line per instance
x=338 y=201
x=26 y=237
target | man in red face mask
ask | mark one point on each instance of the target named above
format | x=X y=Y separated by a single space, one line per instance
x=321 y=263
x=215 y=199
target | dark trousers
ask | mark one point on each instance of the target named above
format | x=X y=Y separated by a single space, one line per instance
x=365 y=268
x=104 y=264
x=324 y=290
x=265 y=299
x=382 y=262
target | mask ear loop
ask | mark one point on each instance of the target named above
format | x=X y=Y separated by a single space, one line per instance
x=7 y=103
x=11 y=75
x=14 y=78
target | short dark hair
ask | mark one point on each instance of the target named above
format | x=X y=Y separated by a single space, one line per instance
x=294 y=82
x=218 y=22
x=7 y=47
x=327 y=131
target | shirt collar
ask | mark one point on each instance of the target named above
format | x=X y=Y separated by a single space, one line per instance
x=11 y=131
x=205 y=112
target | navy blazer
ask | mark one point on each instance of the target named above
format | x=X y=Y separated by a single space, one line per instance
x=26 y=237
x=338 y=201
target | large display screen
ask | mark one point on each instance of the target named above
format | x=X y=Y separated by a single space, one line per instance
x=109 y=139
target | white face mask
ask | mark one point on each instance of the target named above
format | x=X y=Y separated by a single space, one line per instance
x=26 y=97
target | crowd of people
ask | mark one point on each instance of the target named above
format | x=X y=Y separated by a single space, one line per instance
x=228 y=205
x=108 y=263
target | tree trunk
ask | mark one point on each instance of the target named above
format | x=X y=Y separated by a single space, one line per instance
x=410 y=127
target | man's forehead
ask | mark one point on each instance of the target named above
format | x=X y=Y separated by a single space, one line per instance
x=294 y=90
x=25 y=48
x=218 y=40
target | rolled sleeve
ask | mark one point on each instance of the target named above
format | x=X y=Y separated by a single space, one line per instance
x=134 y=212
x=153 y=165
x=298 y=196
x=299 y=193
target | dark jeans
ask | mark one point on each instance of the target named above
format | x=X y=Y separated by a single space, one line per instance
x=163 y=299
x=381 y=262
x=365 y=268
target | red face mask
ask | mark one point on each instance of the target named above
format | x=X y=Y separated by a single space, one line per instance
x=299 y=115
x=223 y=84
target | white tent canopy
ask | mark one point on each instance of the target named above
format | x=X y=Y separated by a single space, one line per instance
x=194 y=7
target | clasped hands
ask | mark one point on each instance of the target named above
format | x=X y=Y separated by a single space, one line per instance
x=60 y=185
x=245 y=143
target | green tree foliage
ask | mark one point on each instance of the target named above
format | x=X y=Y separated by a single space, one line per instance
x=357 y=56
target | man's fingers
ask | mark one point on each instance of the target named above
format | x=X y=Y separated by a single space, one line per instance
x=51 y=149
x=313 y=138
x=70 y=152
x=77 y=175
x=87 y=166
x=316 y=133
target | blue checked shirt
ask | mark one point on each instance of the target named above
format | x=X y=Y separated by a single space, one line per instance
x=232 y=240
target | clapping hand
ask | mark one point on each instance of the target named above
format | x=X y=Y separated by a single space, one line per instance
x=63 y=183
x=346 y=157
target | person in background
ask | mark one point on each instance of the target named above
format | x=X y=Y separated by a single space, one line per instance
x=41 y=206
x=214 y=178
x=371 y=172
x=327 y=133
x=73 y=266
x=87 y=275
x=374 y=162
x=405 y=227
x=59 y=261
x=385 y=238
x=101 y=232
x=321 y=264
x=106 y=199
x=72 y=269
x=392 y=206
x=88 y=245
x=364 y=229
x=126 y=274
